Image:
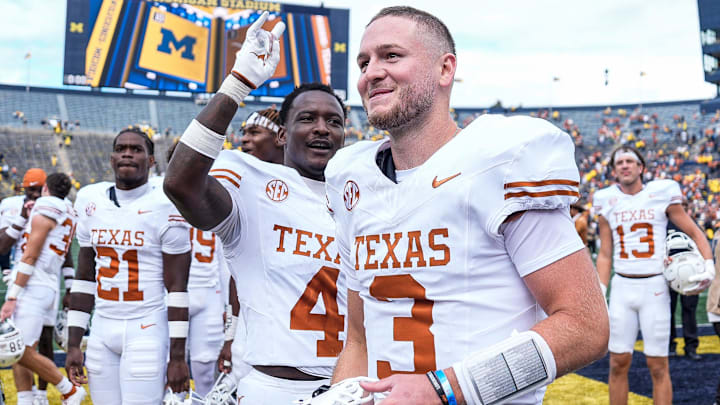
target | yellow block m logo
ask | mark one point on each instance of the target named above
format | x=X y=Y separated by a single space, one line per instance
x=185 y=44
x=76 y=27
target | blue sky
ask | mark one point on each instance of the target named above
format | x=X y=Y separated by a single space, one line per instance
x=508 y=51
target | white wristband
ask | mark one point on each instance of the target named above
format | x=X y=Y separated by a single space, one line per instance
x=524 y=360
x=231 y=327
x=19 y=221
x=203 y=140
x=178 y=299
x=710 y=266
x=235 y=89
x=13 y=233
x=14 y=291
x=24 y=268
x=77 y=318
x=178 y=329
x=68 y=272
x=84 y=287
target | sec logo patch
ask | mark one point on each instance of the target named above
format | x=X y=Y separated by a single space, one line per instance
x=351 y=194
x=276 y=190
x=90 y=209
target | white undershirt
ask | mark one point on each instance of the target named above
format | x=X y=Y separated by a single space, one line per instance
x=401 y=175
x=125 y=197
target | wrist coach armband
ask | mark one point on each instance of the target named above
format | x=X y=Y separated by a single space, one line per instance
x=507 y=369
x=231 y=327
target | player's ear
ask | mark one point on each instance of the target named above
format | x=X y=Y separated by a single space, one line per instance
x=281 y=138
x=448 y=66
x=151 y=159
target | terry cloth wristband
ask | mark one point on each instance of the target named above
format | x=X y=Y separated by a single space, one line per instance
x=14 y=291
x=203 y=140
x=77 y=318
x=24 y=268
x=84 y=287
x=237 y=87
x=178 y=329
x=178 y=299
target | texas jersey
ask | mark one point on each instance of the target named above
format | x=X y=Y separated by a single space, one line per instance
x=57 y=243
x=279 y=243
x=427 y=255
x=206 y=256
x=639 y=224
x=11 y=207
x=128 y=247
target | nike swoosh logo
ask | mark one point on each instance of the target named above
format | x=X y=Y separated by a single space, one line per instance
x=146 y=326
x=140 y=212
x=437 y=183
x=658 y=293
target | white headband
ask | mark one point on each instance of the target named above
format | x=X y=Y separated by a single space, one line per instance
x=259 y=120
x=629 y=154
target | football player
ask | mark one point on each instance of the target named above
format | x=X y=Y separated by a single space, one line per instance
x=260 y=136
x=632 y=225
x=14 y=211
x=32 y=294
x=276 y=232
x=467 y=282
x=134 y=246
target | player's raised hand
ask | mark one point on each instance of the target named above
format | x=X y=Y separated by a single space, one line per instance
x=256 y=61
x=178 y=375
x=74 y=366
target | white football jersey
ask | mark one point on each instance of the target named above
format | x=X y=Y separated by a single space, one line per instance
x=11 y=207
x=427 y=255
x=639 y=224
x=280 y=249
x=206 y=257
x=58 y=241
x=128 y=246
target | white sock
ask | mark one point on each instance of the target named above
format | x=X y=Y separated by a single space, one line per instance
x=40 y=393
x=203 y=374
x=24 y=397
x=64 y=386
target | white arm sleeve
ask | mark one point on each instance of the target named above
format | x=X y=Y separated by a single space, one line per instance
x=175 y=240
x=230 y=230
x=539 y=238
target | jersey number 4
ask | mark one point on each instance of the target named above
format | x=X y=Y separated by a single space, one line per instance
x=648 y=238
x=131 y=258
x=331 y=323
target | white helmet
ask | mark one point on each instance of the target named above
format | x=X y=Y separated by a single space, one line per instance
x=685 y=262
x=346 y=392
x=222 y=390
x=12 y=345
x=181 y=398
x=62 y=331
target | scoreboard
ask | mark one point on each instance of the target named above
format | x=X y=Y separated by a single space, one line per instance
x=190 y=45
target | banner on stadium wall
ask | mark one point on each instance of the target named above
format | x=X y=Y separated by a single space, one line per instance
x=190 y=45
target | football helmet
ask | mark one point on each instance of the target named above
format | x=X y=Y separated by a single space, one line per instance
x=12 y=345
x=222 y=391
x=345 y=392
x=61 y=332
x=181 y=398
x=683 y=260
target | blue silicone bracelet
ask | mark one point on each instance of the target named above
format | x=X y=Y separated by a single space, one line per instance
x=446 y=387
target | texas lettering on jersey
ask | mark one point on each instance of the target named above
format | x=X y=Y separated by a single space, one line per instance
x=117 y=237
x=413 y=247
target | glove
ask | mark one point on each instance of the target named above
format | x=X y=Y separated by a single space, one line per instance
x=703 y=279
x=256 y=61
x=7 y=276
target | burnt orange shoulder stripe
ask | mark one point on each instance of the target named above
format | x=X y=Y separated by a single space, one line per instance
x=542 y=194
x=228 y=171
x=230 y=179
x=542 y=183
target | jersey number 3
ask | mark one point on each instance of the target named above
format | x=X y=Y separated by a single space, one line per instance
x=415 y=329
x=325 y=282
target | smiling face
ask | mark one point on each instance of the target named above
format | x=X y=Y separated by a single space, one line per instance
x=398 y=79
x=314 y=131
x=130 y=160
x=262 y=143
